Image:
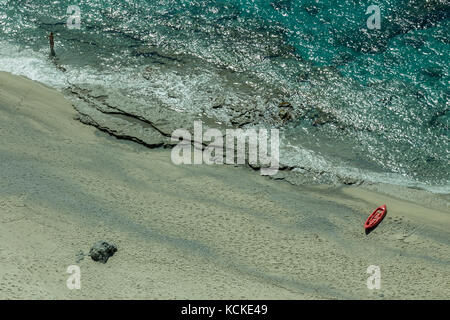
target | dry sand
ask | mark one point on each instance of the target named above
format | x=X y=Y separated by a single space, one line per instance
x=193 y=232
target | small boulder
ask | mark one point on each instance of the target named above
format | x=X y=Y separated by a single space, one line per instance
x=102 y=250
x=285 y=105
x=79 y=256
x=285 y=115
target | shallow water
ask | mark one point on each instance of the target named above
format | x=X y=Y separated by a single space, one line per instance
x=369 y=104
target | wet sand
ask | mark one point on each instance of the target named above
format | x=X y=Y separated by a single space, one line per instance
x=193 y=232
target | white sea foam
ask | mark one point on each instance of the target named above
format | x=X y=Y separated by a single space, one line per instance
x=31 y=64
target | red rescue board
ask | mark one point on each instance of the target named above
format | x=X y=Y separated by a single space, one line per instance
x=376 y=217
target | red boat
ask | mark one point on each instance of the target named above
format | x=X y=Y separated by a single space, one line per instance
x=376 y=217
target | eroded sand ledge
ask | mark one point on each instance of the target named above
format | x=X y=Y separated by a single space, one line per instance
x=195 y=232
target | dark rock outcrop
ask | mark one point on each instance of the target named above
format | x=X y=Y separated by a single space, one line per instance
x=101 y=251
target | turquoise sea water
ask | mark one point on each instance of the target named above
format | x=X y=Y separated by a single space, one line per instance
x=384 y=93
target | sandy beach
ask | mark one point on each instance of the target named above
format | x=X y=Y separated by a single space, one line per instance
x=193 y=232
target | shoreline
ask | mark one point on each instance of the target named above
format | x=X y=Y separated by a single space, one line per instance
x=93 y=100
x=194 y=232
